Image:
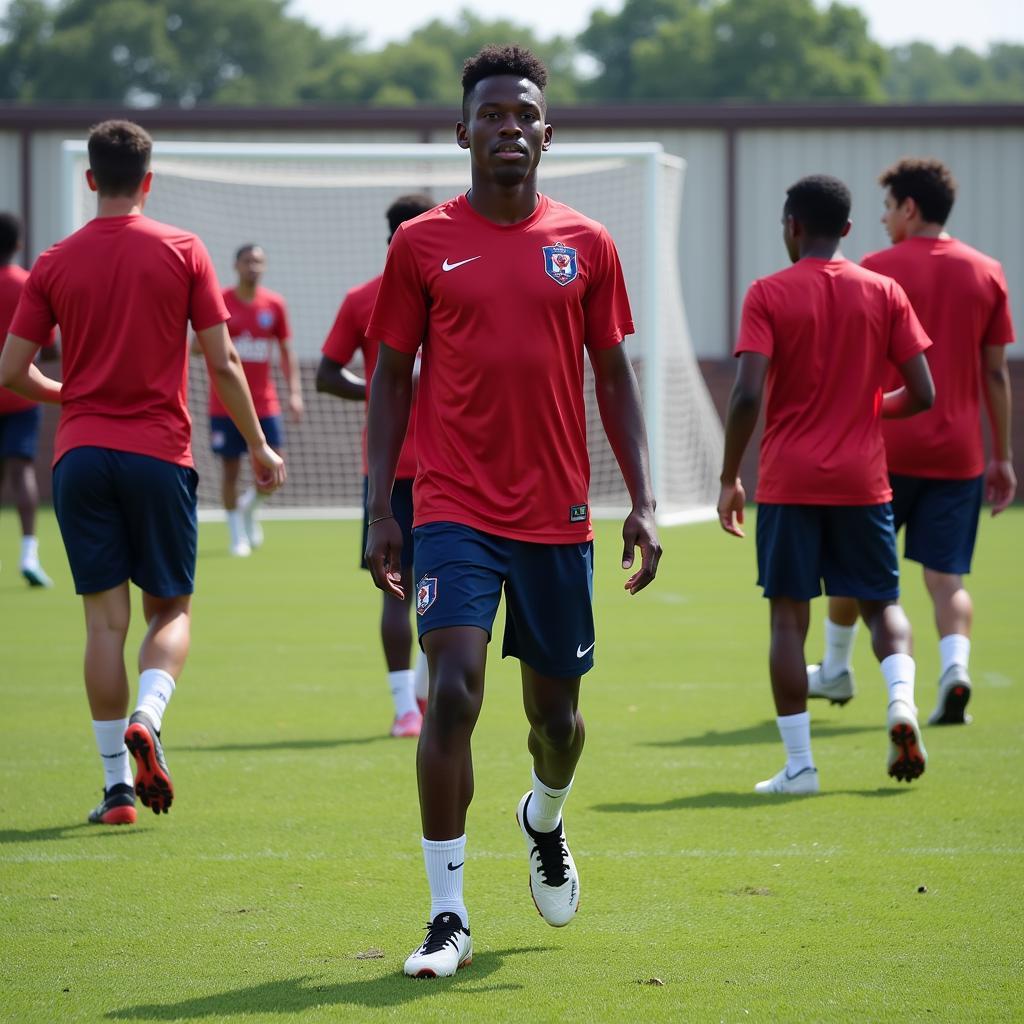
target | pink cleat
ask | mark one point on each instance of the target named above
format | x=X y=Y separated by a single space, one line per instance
x=407 y=725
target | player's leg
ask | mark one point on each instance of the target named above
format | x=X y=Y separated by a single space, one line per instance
x=250 y=502
x=954 y=617
x=789 y=539
x=96 y=538
x=18 y=443
x=229 y=446
x=832 y=677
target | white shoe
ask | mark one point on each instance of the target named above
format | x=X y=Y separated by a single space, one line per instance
x=804 y=783
x=838 y=689
x=907 y=756
x=33 y=572
x=954 y=693
x=252 y=525
x=554 y=880
x=446 y=949
x=241 y=549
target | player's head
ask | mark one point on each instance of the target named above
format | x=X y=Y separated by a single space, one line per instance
x=503 y=113
x=10 y=237
x=250 y=264
x=817 y=209
x=405 y=208
x=119 y=155
x=918 y=192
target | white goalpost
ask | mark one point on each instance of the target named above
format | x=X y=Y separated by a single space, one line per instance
x=318 y=211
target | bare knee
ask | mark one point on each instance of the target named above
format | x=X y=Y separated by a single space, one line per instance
x=557 y=730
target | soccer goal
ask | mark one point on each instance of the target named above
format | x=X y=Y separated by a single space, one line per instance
x=318 y=211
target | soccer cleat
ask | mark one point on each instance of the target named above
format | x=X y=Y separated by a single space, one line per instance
x=116 y=808
x=554 y=880
x=407 y=725
x=252 y=525
x=954 y=693
x=33 y=572
x=446 y=949
x=152 y=779
x=804 y=783
x=837 y=690
x=907 y=756
x=240 y=549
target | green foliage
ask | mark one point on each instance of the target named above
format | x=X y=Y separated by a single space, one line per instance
x=920 y=73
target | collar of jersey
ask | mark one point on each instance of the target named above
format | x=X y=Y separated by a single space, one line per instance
x=542 y=206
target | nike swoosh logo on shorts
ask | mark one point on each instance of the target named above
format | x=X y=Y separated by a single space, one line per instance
x=581 y=653
x=446 y=266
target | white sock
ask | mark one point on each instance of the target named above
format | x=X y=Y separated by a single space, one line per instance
x=401 y=685
x=113 y=753
x=954 y=649
x=421 y=677
x=252 y=499
x=236 y=526
x=898 y=670
x=795 y=731
x=156 y=688
x=29 y=551
x=444 y=862
x=544 y=808
x=838 y=648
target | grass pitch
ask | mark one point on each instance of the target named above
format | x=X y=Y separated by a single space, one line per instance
x=286 y=884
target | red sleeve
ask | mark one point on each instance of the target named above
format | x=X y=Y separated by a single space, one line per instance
x=906 y=335
x=206 y=302
x=399 y=315
x=34 y=318
x=1000 y=325
x=756 y=334
x=347 y=333
x=284 y=327
x=607 y=316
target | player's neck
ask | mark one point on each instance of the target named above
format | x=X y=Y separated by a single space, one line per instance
x=504 y=204
x=821 y=249
x=926 y=229
x=246 y=292
x=118 y=206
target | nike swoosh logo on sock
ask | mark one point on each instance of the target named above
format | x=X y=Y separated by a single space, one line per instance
x=455 y=867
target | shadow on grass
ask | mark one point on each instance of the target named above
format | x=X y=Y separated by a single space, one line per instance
x=80 y=830
x=765 y=732
x=293 y=995
x=705 y=800
x=322 y=744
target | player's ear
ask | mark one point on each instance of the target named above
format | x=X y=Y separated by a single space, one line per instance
x=462 y=135
x=91 y=179
x=147 y=183
x=846 y=230
x=548 y=132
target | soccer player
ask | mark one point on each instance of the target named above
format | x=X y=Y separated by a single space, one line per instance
x=347 y=336
x=820 y=336
x=505 y=289
x=258 y=324
x=19 y=417
x=936 y=460
x=123 y=289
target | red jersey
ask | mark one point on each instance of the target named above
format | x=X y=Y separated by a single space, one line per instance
x=123 y=290
x=348 y=334
x=256 y=328
x=960 y=296
x=831 y=330
x=503 y=313
x=12 y=280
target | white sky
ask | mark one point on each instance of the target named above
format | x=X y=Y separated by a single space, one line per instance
x=944 y=23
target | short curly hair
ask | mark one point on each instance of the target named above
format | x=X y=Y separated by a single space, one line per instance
x=820 y=203
x=929 y=182
x=502 y=60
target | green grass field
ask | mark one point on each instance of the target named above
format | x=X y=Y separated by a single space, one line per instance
x=286 y=884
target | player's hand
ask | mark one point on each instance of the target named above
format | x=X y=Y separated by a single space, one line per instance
x=1000 y=484
x=384 y=555
x=639 y=531
x=267 y=469
x=731 y=500
x=296 y=407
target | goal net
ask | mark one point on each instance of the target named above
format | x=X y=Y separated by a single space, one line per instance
x=318 y=212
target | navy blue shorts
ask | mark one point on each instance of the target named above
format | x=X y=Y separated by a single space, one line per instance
x=941 y=519
x=226 y=439
x=401 y=509
x=19 y=433
x=127 y=516
x=851 y=547
x=549 y=616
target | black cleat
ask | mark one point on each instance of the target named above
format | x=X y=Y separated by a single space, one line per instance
x=117 y=807
x=152 y=778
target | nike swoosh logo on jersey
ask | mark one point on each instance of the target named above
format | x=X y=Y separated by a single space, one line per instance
x=581 y=653
x=446 y=266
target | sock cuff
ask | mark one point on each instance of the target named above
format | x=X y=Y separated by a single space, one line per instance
x=803 y=718
x=539 y=783
x=898 y=668
x=840 y=632
x=151 y=675
x=443 y=845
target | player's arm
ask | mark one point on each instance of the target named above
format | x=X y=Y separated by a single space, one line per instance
x=293 y=378
x=228 y=378
x=1000 y=479
x=740 y=421
x=618 y=399
x=387 y=420
x=917 y=393
x=333 y=379
x=18 y=372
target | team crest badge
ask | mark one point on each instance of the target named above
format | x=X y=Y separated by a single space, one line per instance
x=426 y=594
x=265 y=318
x=560 y=263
